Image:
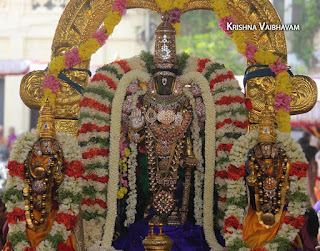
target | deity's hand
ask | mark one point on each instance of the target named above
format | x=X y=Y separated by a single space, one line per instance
x=137 y=119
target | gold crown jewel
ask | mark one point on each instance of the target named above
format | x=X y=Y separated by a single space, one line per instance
x=165 y=45
x=47 y=127
x=267 y=126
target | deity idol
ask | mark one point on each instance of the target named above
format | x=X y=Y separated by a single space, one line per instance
x=272 y=165
x=42 y=193
x=167 y=149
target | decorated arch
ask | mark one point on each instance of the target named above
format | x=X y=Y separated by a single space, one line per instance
x=92 y=22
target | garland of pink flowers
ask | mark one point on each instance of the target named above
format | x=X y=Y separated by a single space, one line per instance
x=259 y=56
x=51 y=82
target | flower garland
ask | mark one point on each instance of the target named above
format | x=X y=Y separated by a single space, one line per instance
x=209 y=155
x=69 y=196
x=237 y=201
x=229 y=126
x=283 y=86
x=51 y=82
x=197 y=148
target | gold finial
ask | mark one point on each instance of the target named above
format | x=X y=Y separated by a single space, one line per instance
x=47 y=127
x=160 y=242
x=267 y=125
x=165 y=45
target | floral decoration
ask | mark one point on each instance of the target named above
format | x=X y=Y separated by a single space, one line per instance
x=69 y=194
x=259 y=56
x=237 y=195
x=219 y=84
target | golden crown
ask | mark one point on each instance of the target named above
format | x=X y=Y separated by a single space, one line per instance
x=165 y=45
x=47 y=127
x=267 y=126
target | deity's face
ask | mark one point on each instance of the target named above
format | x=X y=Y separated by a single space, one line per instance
x=46 y=146
x=164 y=83
x=266 y=149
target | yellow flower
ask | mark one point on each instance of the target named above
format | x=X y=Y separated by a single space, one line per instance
x=220 y=8
x=124 y=190
x=88 y=48
x=180 y=4
x=177 y=27
x=165 y=5
x=124 y=167
x=120 y=194
x=283 y=121
x=112 y=19
x=264 y=57
x=127 y=152
x=241 y=47
x=47 y=94
x=57 y=65
x=283 y=83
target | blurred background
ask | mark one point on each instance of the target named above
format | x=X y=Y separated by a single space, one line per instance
x=28 y=26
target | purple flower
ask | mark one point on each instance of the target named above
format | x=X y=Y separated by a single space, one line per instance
x=175 y=15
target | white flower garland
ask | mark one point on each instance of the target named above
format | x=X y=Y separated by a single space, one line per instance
x=238 y=156
x=132 y=165
x=21 y=148
x=209 y=156
x=114 y=152
x=198 y=174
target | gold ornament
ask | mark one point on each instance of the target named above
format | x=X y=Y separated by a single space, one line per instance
x=160 y=242
x=165 y=45
x=46 y=127
x=267 y=126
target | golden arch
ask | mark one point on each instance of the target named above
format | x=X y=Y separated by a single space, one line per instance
x=81 y=18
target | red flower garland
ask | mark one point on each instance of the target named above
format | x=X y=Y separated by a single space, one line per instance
x=85 y=128
x=16 y=215
x=95 y=152
x=73 y=168
x=202 y=64
x=103 y=179
x=66 y=219
x=94 y=104
x=16 y=169
x=64 y=247
x=221 y=78
x=100 y=77
x=123 y=64
x=299 y=169
x=295 y=222
x=232 y=222
x=235 y=173
x=228 y=100
x=90 y=202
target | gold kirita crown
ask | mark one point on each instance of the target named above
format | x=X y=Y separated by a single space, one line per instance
x=47 y=127
x=267 y=126
x=165 y=45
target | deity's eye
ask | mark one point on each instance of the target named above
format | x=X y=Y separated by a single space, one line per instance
x=164 y=81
